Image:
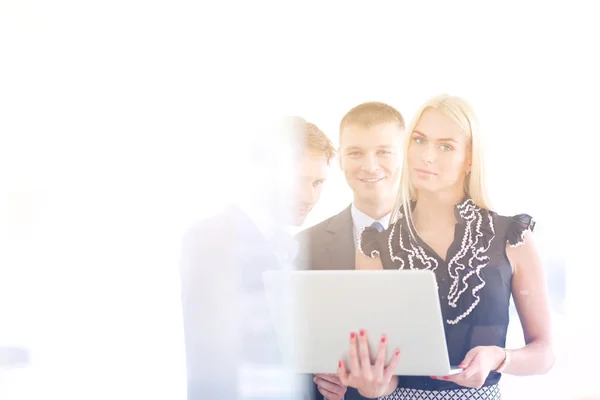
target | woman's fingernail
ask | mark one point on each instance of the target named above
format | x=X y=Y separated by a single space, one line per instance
x=339 y=364
x=352 y=335
x=397 y=352
x=383 y=339
x=444 y=377
x=362 y=332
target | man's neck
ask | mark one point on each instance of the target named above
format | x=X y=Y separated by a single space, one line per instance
x=263 y=220
x=374 y=210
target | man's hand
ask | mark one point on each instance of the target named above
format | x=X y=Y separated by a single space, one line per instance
x=330 y=386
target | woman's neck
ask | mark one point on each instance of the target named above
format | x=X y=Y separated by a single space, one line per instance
x=436 y=209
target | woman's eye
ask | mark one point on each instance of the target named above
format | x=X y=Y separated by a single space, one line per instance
x=445 y=147
x=419 y=140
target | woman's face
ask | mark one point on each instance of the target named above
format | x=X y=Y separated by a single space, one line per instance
x=439 y=155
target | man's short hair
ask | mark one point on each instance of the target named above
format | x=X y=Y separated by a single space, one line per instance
x=369 y=114
x=312 y=138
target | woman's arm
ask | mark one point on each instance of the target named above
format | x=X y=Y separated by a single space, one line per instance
x=529 y=291
x=531 y=300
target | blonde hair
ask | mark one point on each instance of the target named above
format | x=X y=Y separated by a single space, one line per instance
x=461 y=112
x=370 y=114
x=309 y=137
x=318 y=141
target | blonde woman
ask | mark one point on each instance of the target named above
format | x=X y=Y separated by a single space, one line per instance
x=444 y=223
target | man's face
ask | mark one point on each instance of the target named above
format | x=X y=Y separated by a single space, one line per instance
x=371 y=162
x=312 y=172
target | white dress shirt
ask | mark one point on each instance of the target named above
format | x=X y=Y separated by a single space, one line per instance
x=360 y=220
x=271 y=380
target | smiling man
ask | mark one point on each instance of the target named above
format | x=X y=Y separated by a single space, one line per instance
x=370 y=143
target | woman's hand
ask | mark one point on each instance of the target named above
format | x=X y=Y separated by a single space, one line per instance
x=477 y=365
x=371 y=380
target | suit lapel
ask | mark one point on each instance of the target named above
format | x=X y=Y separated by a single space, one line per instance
x=341 y=245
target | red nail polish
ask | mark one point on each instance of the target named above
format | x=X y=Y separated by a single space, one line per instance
x=397 y=352
x=340 y=364
x=352 y=335
x=444 y=377
x=362 y=332
x=383 y=339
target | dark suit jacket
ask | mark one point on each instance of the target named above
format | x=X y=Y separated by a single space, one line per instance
x=329 y=244
x=222 y=297
x=326 y=246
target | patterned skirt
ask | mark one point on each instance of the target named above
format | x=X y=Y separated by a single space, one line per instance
x=485 y=393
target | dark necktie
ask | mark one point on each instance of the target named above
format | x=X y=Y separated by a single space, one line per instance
x=377 y=226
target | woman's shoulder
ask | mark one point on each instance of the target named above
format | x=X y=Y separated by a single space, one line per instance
x=371 y=241
x=514 y=227
x=375 y=243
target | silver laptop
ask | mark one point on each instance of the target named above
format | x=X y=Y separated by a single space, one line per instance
x=315 y=311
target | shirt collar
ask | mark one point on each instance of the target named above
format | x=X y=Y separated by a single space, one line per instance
x=264 y=222
x=462 y=211
x=362 y=220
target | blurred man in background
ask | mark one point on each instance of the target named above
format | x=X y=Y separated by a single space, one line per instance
x=232 y=351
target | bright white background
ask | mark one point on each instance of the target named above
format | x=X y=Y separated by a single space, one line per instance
x=120 y=123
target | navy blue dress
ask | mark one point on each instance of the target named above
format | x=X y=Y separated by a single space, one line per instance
x=474 y=284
